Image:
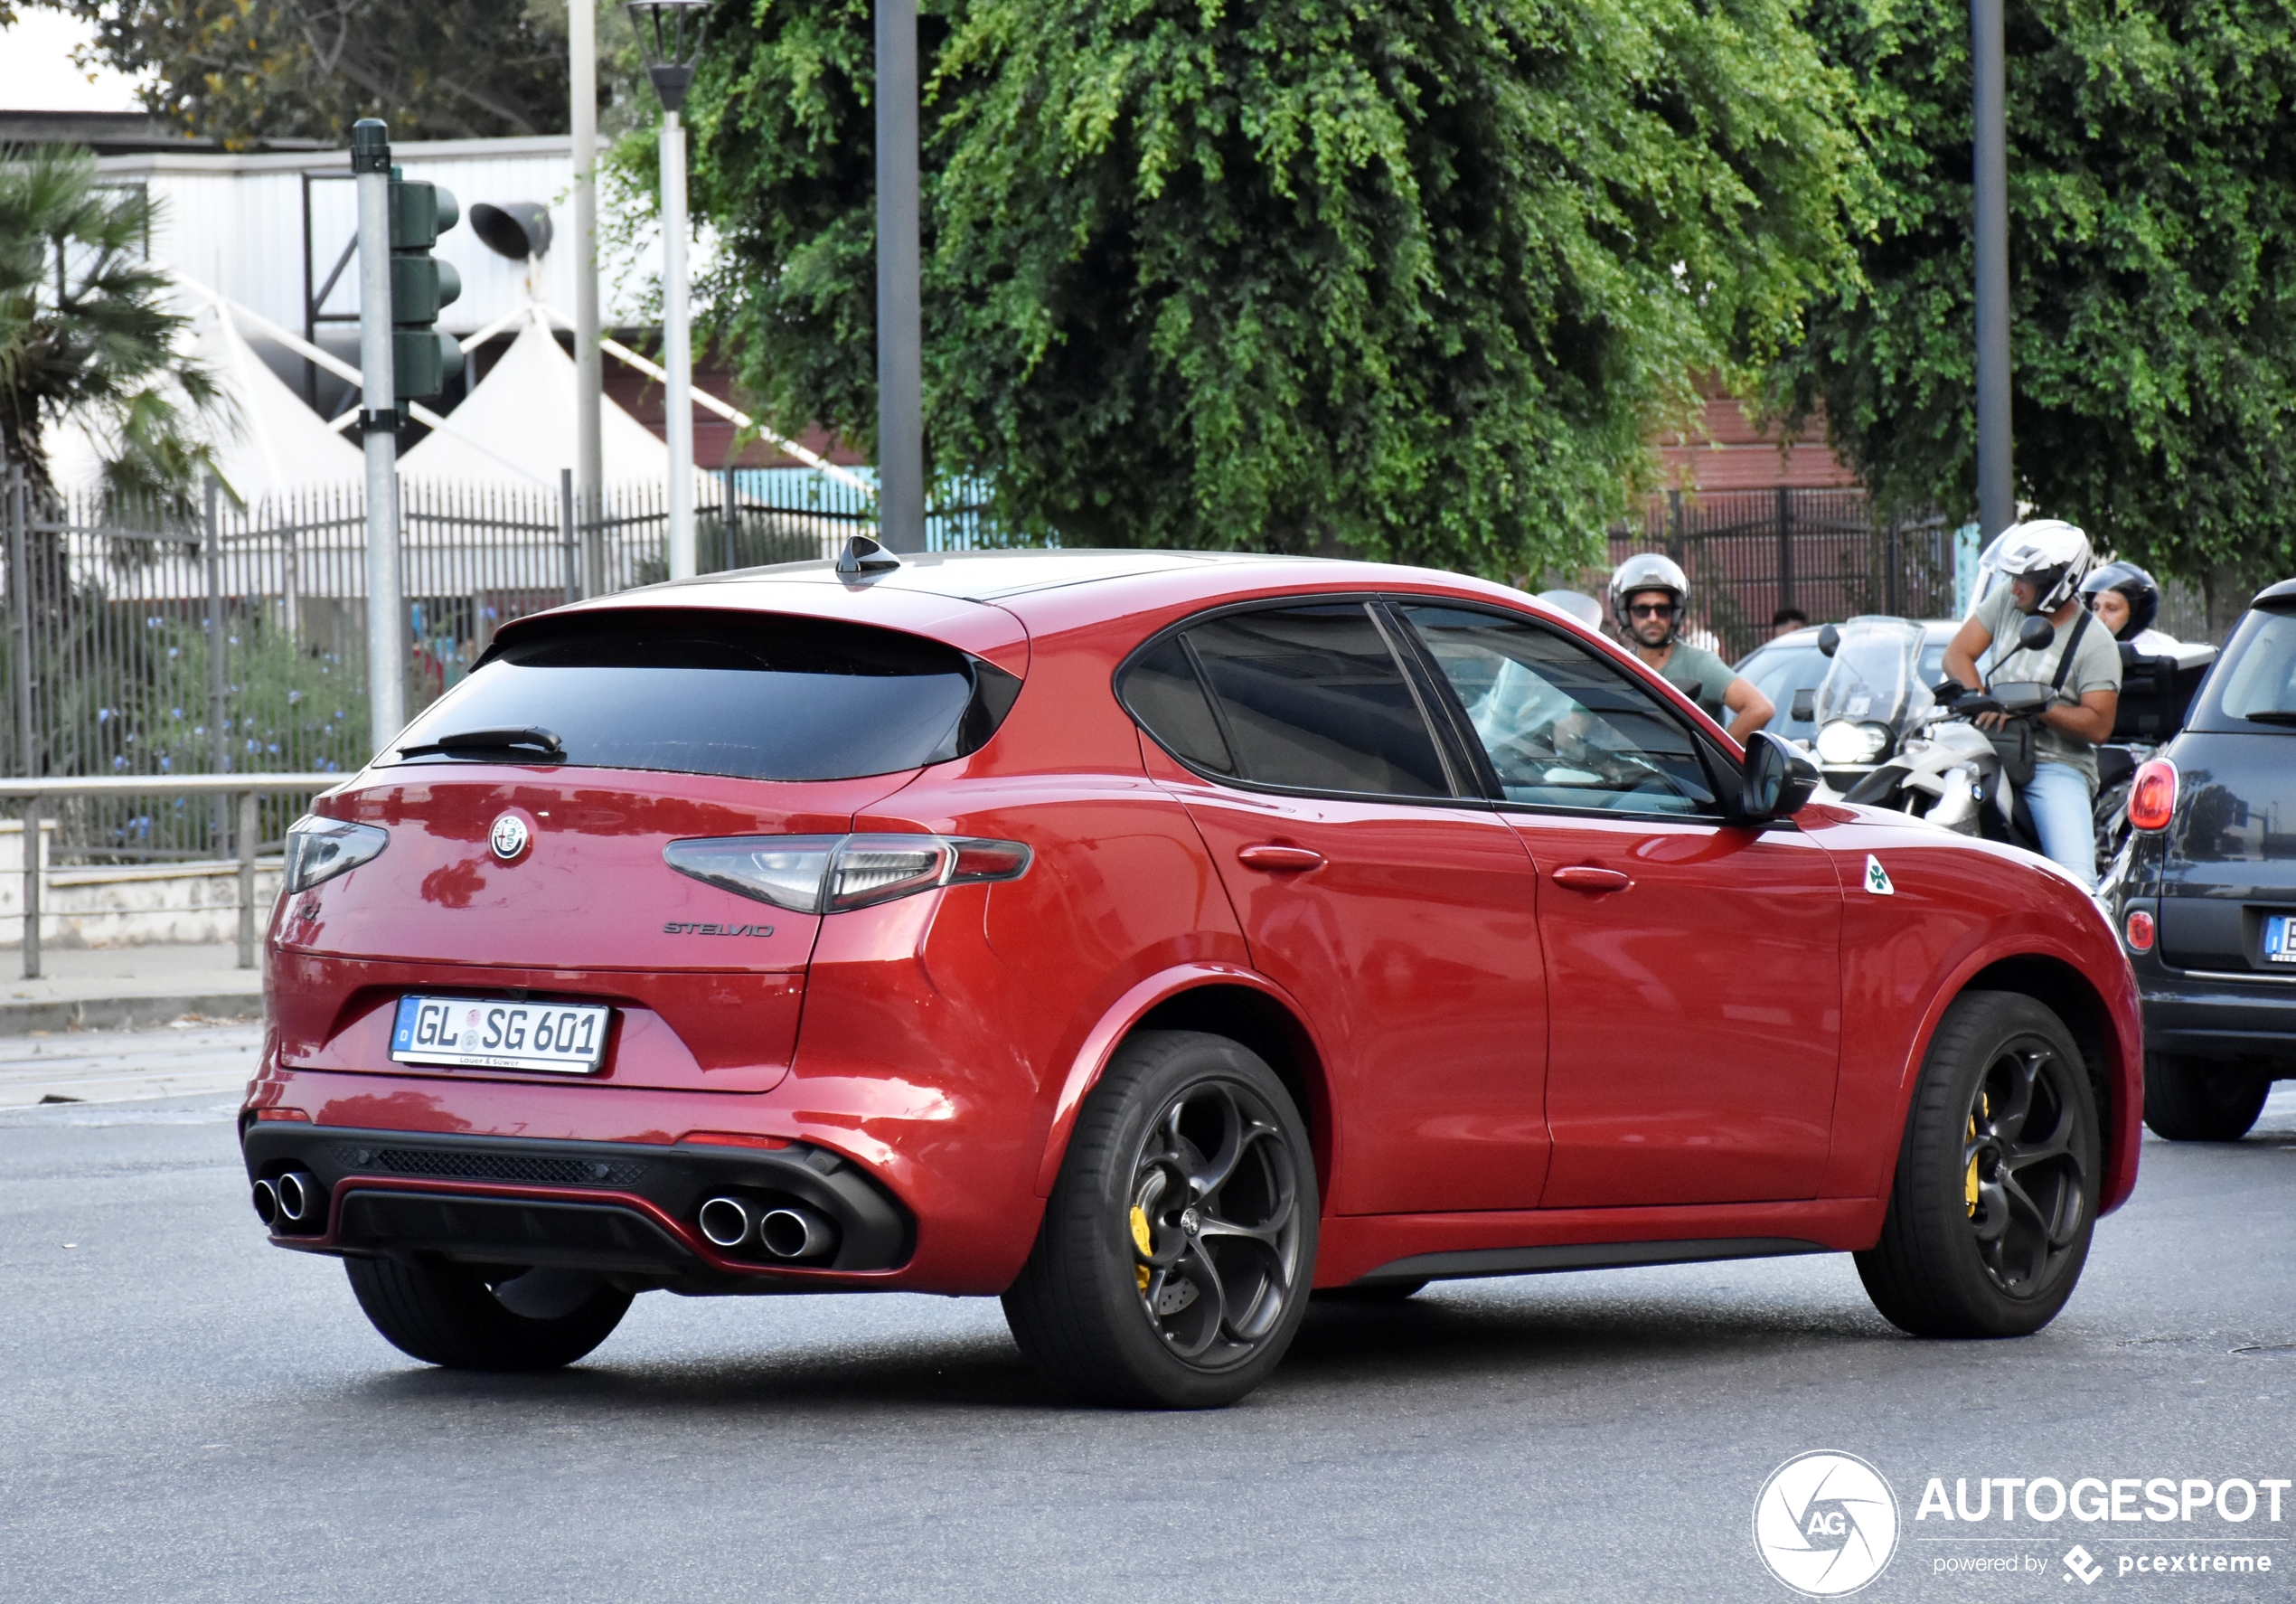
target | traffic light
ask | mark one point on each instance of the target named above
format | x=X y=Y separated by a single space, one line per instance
x=422 y=359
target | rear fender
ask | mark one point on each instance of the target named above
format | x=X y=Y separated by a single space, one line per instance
x=1125 y=1015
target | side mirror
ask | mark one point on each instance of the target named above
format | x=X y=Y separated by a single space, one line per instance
x=1779 y=778
x=1804 y=710
x=2037 y=634
x=1829 y=640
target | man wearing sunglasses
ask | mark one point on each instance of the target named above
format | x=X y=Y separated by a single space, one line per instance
x=1649 y=594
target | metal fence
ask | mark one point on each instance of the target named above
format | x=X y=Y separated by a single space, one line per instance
x=208 y=638
x=1749 y=554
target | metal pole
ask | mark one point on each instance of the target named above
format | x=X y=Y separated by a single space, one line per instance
x=379 y=420
x=20 y=619
x=219 y=748
x=732 y=509
x=589 y=450
x=900 y=336
x=248 y=827
x=32 y=891
x=1785 y=549
x=566 y=531
x=677 y=352
x=1996 y=481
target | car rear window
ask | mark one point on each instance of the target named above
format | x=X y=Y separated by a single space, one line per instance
x=2254 y=687
x=760 y=696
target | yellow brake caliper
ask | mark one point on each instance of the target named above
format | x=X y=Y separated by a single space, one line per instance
x=1147 y=1244
x=1970 y=1184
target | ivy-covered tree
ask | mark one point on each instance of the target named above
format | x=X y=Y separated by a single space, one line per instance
x=1410 y=281
x=2152 y=264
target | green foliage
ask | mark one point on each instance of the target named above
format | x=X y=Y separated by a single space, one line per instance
x=245 y=70
x=1329 y=274
x=2152 y=260
x=93 y=336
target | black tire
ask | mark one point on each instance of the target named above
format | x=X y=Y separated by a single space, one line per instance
x=457 y=1316
x=1172 y=1266
x=1997 y=1182
x=2190 y=1099
x=1376 y=1293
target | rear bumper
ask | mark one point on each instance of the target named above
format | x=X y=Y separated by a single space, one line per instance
x=624 y=1209
x=2195 y=1015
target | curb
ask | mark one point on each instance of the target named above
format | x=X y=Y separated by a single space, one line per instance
x=112 y=1014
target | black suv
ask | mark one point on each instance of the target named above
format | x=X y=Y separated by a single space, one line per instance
x=2204 y=893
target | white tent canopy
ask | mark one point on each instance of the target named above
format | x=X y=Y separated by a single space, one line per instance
x=266 y=441
x=521 y=417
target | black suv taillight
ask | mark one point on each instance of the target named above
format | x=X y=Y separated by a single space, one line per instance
x=833 y=874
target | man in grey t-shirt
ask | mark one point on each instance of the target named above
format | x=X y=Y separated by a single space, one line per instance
x=1650 y=593
x=2044 y=562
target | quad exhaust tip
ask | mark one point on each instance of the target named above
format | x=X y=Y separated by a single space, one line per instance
x=267 y=1203
x=789 y=1230
x=794 y=1233
x=301 y=1202
x=725 y=1220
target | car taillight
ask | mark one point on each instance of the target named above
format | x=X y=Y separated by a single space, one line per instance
x=835 y=873
x=2152 y=799
x=319 y=849
x=2139 y=930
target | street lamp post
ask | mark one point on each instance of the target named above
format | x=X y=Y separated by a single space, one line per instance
x=1996 y=479
x=900 y=363
x=671 y=33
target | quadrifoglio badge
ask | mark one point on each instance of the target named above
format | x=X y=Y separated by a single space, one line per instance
x=1826 y=1524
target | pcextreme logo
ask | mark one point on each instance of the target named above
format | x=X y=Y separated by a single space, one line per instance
x=1825 y=1523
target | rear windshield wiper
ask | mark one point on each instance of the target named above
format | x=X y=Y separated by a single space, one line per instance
x=529 y=745
x=2272 y=715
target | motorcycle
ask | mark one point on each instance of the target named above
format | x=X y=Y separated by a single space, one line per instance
x=1887 y=739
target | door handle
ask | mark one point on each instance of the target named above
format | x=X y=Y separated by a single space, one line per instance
x=1279 y=860
x=1585 y=877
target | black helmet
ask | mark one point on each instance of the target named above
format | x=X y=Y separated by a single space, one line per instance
x=2143 y=595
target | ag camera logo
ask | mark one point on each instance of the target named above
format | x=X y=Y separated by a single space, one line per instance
x=1825 y=1523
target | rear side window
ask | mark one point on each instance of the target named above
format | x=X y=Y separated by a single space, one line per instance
x=760 y=696
x=2255 y=686
x=1309 y=698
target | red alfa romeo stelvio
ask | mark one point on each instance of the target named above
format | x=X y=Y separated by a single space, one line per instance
x=1147 y=939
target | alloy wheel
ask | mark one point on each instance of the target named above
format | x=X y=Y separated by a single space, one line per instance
x=2024 y=1179
x=1215 y=1225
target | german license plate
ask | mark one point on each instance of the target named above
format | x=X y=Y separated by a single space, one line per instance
x=2280 y=939
x=566 y=1038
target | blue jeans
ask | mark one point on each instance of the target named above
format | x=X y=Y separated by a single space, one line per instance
x=2063 y=811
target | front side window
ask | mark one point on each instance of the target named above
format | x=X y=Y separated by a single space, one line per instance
x=1562 y=727
x=1307 y=698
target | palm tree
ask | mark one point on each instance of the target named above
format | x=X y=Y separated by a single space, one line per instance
x=86 y=328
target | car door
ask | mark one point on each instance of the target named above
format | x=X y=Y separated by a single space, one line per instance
x=1372 y=884
x=1693 y=965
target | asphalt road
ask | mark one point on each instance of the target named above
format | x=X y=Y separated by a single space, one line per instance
x=189 y=1414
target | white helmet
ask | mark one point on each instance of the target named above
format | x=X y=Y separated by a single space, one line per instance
x=2052 y=553
x=1648 y=571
